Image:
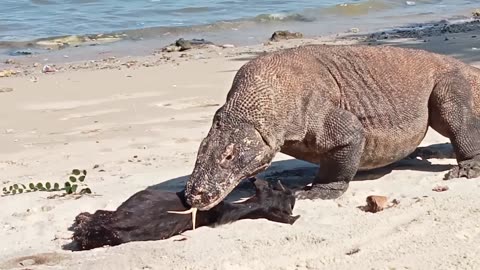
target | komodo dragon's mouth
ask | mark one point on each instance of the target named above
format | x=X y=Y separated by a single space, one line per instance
x=229 y=189
x=219 y=199
x=194 y=208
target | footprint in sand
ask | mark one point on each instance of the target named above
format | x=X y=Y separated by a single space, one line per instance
x=48 y=259
x=187 y=103
x=75 y=104
x=89 y=114
x=181 y=140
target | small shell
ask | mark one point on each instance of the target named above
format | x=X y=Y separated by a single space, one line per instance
x=440 y=188
x=376 y=203
x=47 y=69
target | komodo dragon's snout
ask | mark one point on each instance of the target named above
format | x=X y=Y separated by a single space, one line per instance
x=225 y=157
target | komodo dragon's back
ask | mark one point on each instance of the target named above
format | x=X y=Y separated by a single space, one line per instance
x=386 y=88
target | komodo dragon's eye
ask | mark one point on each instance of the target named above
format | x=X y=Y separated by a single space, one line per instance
x=228 y=155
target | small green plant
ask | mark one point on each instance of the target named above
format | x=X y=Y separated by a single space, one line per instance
x=74 y=185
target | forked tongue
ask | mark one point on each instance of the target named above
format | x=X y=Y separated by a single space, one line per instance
x=192 y=211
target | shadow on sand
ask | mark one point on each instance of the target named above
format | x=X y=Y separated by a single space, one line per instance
x=295 y=174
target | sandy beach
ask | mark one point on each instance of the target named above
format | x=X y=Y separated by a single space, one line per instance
x=134 y=122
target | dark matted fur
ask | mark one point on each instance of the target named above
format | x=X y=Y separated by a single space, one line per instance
x=144 y=216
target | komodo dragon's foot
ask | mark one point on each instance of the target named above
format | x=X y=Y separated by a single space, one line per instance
x=328 y=191
x=467 y=168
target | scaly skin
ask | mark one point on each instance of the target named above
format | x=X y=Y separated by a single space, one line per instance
x=347 y=108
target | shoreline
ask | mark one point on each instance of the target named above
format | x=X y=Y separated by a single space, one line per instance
x=135 y=122
x=61 y=61
x=73 y=50
x=323 y=13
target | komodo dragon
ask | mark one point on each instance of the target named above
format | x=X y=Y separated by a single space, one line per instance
x=347 y=108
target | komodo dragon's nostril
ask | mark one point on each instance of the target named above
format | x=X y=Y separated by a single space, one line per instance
x=198 y=197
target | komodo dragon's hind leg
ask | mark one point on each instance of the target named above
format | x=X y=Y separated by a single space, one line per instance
x=452 y=114
x=340 y=139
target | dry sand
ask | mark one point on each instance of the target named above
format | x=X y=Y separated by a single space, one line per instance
x=106 y=115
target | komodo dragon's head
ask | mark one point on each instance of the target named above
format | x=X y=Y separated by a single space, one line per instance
x=229 y=153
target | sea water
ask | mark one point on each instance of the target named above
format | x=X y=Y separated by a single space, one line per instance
x=22 y=21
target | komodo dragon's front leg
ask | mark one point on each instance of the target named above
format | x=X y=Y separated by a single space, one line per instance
x=339 y=140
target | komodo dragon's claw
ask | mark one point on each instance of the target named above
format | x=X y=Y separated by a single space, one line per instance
x=467 y=168
x=319 y=192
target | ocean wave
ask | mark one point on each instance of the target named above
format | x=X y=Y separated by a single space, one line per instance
x=283 y=17
x=42 y=2
x=61 y=42
x=348 y=9
x=360 y=8
x=192 y=10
